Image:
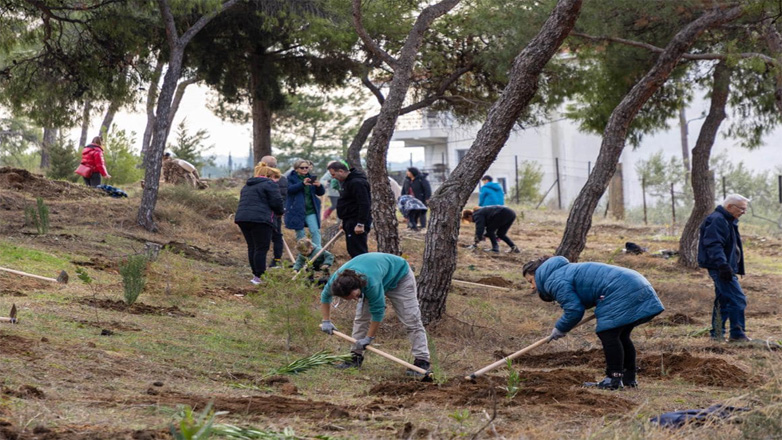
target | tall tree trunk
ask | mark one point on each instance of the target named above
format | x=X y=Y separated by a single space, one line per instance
x=443 y=233
x=261 y=112
x=614 y=136
x=702 y=178
x=85 y=122
x=151 y=102
x=154 y=156
x=774 y=43
x=383 y=203
x=354 y=150
x=49 y=138
x=685 y=139
x=178 y=95
x=108 y=118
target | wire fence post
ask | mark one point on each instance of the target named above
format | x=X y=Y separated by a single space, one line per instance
x=780 y=188
x=559 y=189
x=516 y=158
x=643 y=193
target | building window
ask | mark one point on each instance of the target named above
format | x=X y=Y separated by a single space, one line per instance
x=501 y=181
x=460 y=155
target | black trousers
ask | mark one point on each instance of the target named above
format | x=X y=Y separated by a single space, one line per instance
x=93 y=180
x=501 y=233
x=618 y=348
x=355 y=243
x=277 y=238
x=413 y=217
x=258 y=237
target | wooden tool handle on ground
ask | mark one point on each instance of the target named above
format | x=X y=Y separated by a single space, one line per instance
x=505 y=360
x=384 y=354
x=17 y=272
x=323 y=249
x=288 y=250
x=11 y=320
x=470 y=283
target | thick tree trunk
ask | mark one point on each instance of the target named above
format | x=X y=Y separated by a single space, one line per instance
x=85 y=122
x=354 y=150
x=702 y=178
x=774 y=43
x=614 y=136
x=383 y=203
x=151 y=102
x=49 y=138
x=261 y=113
x=685 y=139
x=443 y=233
x=108 y=118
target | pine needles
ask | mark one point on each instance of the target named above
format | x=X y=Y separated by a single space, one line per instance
x=323 y=357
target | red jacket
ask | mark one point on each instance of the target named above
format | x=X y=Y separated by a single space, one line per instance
x=92 y=156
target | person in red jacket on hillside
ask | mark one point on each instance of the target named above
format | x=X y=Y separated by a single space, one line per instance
x=93 y=165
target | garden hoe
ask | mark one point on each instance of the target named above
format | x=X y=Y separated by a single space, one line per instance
x=12 y=316
x=323 y=249
x=61 y=279
x=428 y=377
x=288 y=250
x=504 y=361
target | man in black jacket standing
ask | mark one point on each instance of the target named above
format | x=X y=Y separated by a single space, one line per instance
x=277 y=231
x=353 y=207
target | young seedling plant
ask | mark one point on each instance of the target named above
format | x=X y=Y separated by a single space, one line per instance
x=87 y=279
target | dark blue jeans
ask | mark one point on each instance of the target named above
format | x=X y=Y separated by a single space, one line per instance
x=729 y=305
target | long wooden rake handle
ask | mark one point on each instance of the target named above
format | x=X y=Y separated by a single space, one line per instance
x=288 y=250
x=504 y=360
x=384 y=354
x=53 y=280
x=323 y=249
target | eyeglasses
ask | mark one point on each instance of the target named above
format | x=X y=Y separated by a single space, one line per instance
x=740 y=208
x=304 y=168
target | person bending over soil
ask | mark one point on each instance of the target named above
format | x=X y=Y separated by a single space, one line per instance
x=623 y=299
x=495 y=221
x=370 y=279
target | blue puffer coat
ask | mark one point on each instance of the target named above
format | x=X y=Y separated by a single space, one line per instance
x=620 y=296
x=491 y=194
x=295 y=210
x=259 y=202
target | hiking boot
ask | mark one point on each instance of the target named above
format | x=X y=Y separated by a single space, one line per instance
x=355 y=361
x=493 y=250
x=514 y=250
x=612 y=382
x=276 y=264
x=629 y=379
x=742 y=338
x=420 y=363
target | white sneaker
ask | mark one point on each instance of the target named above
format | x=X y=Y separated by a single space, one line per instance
x=255 y=280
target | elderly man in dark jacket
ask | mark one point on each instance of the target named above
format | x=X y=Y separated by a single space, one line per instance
x=720 y=251
x=353 y=207
x=416 y=185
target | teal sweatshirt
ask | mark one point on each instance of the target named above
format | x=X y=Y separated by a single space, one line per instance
x=383 y=273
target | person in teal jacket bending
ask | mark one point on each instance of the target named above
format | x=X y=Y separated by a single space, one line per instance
x=623 y=299
x=370 y=279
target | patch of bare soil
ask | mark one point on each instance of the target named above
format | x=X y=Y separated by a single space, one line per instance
x=268 y=405
x=96 y=263
x=197 y=253
x=24 y=392
x=675 y=319
x=495 y=281
x=14 y=293
x=135 y=309
x=16 y=179
x=579 y=358
x=15 y=345
x=698 y=370
x=8 y=431
x=111 y=325
x=557 y=387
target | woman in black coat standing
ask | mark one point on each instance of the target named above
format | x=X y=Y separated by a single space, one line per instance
x=417 y=186
x=260 y=203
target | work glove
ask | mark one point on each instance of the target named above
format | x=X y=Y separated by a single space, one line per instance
x=556 y=334
x=327 y=327
x=726 y=273
x=363 y=342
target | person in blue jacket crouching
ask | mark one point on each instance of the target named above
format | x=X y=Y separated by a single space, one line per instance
x=623 y=299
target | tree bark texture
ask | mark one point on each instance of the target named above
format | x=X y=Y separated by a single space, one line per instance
x=774 y=43
x=85 y=122
x=615 y=133
x=151 y=102
x=442 y=236
x=49 y=138
x=383 y=203
x=108 y=118
x=702 y=177
x=154 y=156
x=685 y=139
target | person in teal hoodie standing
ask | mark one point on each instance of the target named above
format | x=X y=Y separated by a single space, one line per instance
x=623 y=299
x=491 y=193
x=370 y=279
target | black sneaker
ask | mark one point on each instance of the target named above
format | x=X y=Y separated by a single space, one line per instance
x=420 y=363
x=612 y=382
x=629 y=379
x=514 y=250
x=355 y=361
x=276 y=264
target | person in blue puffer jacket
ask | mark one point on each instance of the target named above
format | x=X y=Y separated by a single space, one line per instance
x=491 y=193
x=623 y=299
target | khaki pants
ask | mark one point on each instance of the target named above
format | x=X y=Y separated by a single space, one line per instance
x=404 y=298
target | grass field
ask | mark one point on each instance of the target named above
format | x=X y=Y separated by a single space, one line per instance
x=83 y=365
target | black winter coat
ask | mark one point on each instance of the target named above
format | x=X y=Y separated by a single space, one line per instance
x=259 y=201
x=355 y=201
x=491 y=218
x=720 y=242
x=421 y=189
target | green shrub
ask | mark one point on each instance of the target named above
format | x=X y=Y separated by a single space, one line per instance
x=134 y=277
x=121 y=159
x=530 y=177
x=65 y=158
x=38 y=216
x=211 y=204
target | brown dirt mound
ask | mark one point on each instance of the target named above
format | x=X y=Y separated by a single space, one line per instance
x=135 y=309
x=17 y=179
x=495 y=281
x=578 y=358
x=111 y=325
x=78 y=433
x=268 y=405
x=538 y=388
x=675 y=319
x=24 y=392
x=15 y=345
x=702 y=371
